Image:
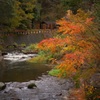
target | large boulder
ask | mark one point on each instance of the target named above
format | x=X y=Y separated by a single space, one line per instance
x=2 y=86
x=4 y=53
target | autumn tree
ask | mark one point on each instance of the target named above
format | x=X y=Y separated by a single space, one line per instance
x=77 y=44
x=83 y=47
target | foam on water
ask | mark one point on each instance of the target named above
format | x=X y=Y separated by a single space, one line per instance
x=17 y=57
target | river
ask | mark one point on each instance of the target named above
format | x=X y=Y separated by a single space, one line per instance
x=13 y=69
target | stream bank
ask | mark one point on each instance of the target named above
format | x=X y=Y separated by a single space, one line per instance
x=47 y=88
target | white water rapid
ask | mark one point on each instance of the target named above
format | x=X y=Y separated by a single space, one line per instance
x=18 y=57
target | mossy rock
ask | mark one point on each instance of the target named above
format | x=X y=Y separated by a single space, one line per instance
x=31 y=85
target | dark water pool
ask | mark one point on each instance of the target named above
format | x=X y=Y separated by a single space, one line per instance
x=21 y=71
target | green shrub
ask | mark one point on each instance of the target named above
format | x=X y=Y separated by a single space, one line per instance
x=32 y=47
x=54 y=72
x=38 y=59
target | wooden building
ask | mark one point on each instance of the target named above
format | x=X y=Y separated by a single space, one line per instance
x=44 y=25
x=48 y=25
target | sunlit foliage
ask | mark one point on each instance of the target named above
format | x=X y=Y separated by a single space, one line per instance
x=52 y=44
x=82 y=39
x=77 y=43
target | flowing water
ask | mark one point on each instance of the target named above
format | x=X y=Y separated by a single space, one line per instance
x=13 y=68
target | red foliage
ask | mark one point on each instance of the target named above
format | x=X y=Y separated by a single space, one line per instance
x=51 y=44
x=77 y=28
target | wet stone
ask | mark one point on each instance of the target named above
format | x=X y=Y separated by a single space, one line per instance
x=2 y=86
x=31 y=85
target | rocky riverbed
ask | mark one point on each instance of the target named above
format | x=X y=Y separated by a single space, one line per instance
x=45 y=88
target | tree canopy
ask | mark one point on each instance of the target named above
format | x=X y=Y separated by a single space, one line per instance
x=16 y=13
x=21 y=14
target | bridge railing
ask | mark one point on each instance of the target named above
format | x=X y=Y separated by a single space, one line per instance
x=33 y=31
